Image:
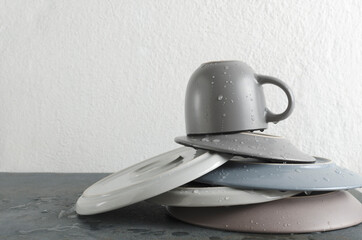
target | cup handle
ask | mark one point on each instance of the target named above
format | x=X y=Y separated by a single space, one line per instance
x=270 y=116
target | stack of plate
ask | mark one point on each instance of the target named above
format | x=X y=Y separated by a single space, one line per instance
x=234 y=180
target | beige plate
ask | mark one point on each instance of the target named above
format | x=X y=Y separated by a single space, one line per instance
x=315 y=213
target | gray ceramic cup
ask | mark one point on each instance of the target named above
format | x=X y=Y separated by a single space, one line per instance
x=227 y=96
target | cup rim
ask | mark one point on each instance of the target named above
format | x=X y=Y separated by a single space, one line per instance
x=221 y=61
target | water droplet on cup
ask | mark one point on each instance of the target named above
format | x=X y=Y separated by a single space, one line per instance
x=226 y=67
x=216 y=140
x=220 y=97
x=213 y=76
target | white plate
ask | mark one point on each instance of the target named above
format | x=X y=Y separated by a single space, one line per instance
x=217 y=196
x=148 y=179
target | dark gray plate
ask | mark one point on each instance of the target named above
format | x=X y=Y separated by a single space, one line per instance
x=268 y=147
x=324 y=175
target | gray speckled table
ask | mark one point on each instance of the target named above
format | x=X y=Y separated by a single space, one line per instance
x=41 y=206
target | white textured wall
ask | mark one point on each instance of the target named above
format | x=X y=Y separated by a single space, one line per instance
x=92 y=86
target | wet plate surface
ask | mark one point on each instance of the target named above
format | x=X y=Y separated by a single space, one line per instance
x=268 y=147
x=41 y=206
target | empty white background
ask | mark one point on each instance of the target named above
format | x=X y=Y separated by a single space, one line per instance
x=95 y=86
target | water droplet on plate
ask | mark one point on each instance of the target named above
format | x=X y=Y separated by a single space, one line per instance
x=216 y=140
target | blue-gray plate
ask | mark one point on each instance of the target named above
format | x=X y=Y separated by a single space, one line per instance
x=250 y=173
